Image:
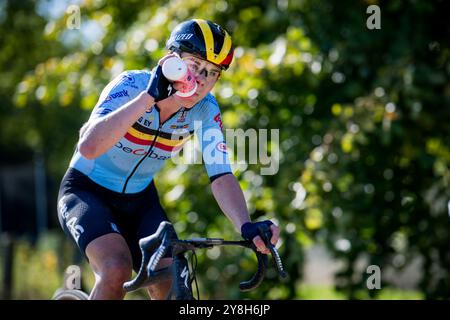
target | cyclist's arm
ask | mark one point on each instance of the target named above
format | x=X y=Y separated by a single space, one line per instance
x=100 y=134
x=224 y=185
x=121 y=104
x=230 y=198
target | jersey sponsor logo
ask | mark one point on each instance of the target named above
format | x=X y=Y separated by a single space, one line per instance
x=154 y=155
x=182 y=117
x=222 y=147
x=62 y=207
x=75 y=229
x=141 y=152
x=103 y=112
x=146 y=122
x=122 y=93
x=218 y=119
x=183 y=126
x=129 y=81
x=119 y=94
x=108 y=98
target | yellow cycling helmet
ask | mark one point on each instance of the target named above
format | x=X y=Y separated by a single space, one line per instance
x=203 y=38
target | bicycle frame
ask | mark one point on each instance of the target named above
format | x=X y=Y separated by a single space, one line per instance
x=181 y=287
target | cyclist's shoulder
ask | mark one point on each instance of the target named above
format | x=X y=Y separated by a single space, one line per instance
x=125 y=85
x=137 y=79
x=208 y=106
x=137 y=73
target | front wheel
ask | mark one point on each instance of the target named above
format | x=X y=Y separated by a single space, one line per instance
x=64 y=294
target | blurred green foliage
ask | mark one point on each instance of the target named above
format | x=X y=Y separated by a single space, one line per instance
x=363 y=118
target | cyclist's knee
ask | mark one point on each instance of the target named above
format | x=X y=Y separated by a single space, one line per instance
x=115 y=271
x=110 y=259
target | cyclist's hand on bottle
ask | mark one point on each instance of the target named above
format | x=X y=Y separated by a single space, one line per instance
x=159 y=87
x=249 y=231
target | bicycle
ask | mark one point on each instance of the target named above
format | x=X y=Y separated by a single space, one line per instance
x=164 y=240
x=70 y=294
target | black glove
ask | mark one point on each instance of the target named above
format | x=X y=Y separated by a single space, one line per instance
x=249 y=230
x=159 y=87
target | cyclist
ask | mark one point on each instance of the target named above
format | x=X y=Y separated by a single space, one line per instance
x=107 y=199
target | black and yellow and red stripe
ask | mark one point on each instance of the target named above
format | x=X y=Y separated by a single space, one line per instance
x=225 y=55
x=165 y=141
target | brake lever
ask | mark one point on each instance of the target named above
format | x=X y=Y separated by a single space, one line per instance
x=266 y=234
x=161 y=251
x=148 y=245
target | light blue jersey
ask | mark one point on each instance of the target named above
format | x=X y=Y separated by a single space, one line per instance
x=129 y=166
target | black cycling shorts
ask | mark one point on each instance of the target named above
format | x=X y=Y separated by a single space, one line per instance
x=87 y=211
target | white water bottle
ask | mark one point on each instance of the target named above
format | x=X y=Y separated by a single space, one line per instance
x=174 y=69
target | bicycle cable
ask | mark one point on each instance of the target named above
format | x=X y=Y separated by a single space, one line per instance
x=194 y=262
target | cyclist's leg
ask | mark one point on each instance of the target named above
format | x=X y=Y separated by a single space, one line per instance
x=151 y=214
x=161 y=290
x=87 y=219
x=111 y=262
